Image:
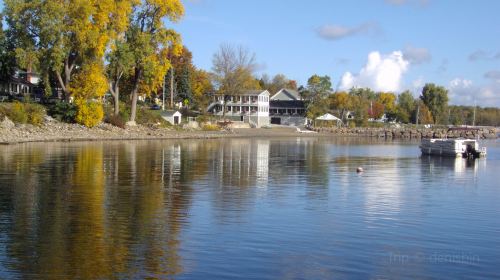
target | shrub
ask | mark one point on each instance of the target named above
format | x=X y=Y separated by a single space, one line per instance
x=63 y=111
x=88 y=113
x=17 y=113
x=36 y=113
x=116 y=121
x=210 y=127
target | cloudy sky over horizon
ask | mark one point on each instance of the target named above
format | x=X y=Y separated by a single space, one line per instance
x=387 y=45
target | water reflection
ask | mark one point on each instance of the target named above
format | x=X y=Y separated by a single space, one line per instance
x=90 y=211
x=458 y=165
x=215 y=209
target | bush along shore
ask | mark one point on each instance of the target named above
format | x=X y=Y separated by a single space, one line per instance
x=414 y=133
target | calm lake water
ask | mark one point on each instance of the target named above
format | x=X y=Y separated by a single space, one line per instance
x=284 y=208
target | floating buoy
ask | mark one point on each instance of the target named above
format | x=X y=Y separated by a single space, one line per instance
x=359 y=169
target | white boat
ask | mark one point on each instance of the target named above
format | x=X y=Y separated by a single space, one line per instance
x=468 y=148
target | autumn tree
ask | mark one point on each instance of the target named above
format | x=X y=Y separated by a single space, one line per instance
x=342 y=102
x=422 y=114
x=233 y=68
x=388 y=100
x=436 y=99
x=201 y=86
x=279 y=81
x=292 y=84
x=57 y=38
x=149 y=41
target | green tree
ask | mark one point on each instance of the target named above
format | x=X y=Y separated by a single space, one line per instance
x=120 y=62
x=363 y=93
x=318 y=87
x=436 y=99
x=361 y=107
x=7 y=56
x=405 y=106
x=182 y=72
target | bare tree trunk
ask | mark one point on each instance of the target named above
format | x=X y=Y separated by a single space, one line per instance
x=68 y=69
x=117 y=100
x=172 y=88
x=115 y=92
x=135 y=89
x=114 y=88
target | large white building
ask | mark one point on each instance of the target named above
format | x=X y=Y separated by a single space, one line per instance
x=251 y=107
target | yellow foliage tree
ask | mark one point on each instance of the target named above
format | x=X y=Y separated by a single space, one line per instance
x=149 y=41
x=388 y=99
x=90 y=82
x=201 y=85
x=89 y=113
x=60 y=36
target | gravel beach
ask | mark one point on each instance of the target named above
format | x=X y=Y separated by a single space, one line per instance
x=52 y=131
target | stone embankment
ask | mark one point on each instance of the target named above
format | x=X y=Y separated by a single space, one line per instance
x=414 y=133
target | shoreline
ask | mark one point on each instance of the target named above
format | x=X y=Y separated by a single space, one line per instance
x=64 y=132
x=54 y=131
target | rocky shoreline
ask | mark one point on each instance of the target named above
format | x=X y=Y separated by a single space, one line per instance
x=409 y=133
x=51 y=131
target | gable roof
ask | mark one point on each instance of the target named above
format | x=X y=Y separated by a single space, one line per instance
x=255 y=92
x=290 y=93
x=170 y=113
x=328 y=117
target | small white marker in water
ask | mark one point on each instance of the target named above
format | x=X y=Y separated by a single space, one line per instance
x=359 y=169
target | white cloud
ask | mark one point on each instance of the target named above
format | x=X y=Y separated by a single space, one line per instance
x=416 y=55
x=336 y=32
x=381 y=73
x=464 y=92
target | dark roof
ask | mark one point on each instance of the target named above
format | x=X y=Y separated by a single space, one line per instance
x=290 y=92
x=17 y=80
x=286 y=104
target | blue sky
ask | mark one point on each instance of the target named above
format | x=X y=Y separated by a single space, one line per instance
x=388 y=45
x=452 y=43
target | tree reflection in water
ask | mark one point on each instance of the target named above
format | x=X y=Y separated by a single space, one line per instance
x=117 y=209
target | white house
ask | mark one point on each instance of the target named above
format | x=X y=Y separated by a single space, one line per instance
x=251 y=107
x=172 y=116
